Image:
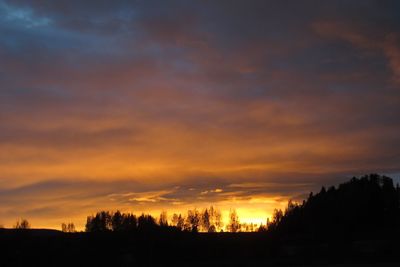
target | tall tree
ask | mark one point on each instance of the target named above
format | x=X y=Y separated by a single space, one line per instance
x=178 y=221
x=129 y=222
x=205 y=221
x=215 y=219
x=116 y=221
x=146 y=223
x=163 y=220
x=234 y=224
x=193 y=220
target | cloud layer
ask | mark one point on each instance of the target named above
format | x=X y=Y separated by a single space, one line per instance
x=149 y=105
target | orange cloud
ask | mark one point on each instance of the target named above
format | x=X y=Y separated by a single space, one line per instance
x=143 y=109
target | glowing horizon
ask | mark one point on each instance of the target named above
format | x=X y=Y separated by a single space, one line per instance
x=151 y=105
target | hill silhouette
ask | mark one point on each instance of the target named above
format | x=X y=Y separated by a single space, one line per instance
x=356 y=222
x=366 y=207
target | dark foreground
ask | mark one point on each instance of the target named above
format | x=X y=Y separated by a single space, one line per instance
x=54 y=248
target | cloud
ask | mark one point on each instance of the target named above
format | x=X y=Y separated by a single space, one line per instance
x=243 y=104
x=392 y=51
x=342 y=30
x=143 y=197
x=386 y=42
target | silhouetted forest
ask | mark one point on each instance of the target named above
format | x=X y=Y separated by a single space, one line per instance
x=356 y=222
x=369 y=205
x=207 y=220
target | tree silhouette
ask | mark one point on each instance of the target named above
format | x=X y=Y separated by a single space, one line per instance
x=215 y=219
x=22 y=224
x=108 y=221
x=146 y=223
x=192 y=221
x=129 y=222
x=163 y=220
x=101 y=222
x=68 y=228
x=178 y=221
x=369 y=204
x=205 y=221
x=262 y=229
x=174 y=220
x=116 y=221
x=234 y=224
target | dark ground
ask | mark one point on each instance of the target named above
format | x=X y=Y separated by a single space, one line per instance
x=54 y=248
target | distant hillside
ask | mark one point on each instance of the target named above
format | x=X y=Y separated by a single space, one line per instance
x=366 y=207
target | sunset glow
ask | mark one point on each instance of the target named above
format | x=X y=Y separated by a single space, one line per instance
x=145 y=106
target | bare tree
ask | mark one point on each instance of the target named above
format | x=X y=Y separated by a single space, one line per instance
x=215 y=219
x=277 y=216
x=22 y=224
x=205 y=221
x=234 y=224
x=71 y=228
x=178 y=221
x=192 y=221
x=181 y=222
x=174 y=220
x=68 y=228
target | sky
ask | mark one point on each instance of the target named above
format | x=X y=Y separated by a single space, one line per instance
x=145 y=106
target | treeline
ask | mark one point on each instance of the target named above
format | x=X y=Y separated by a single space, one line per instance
x=207 y=220
x=363 y=207
x=116 y=221
x=369 y=205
